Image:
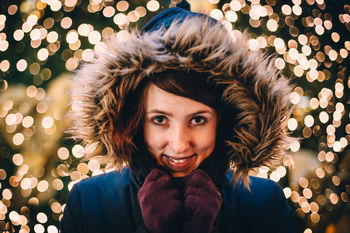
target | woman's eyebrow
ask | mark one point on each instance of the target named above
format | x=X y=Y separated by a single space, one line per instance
x=201 y=112
x=158 y=112
x=169 y=114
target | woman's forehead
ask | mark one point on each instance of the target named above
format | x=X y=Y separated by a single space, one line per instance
x=158 y=100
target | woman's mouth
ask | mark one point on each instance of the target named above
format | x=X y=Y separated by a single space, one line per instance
x=178 y=163
x=179 y=160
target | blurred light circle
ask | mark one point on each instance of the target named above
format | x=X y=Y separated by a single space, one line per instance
x=43 y=54
x=52 y=37
x=52 y=229
x=18 y=34
x=42 y=186
x=63 y=153
x=21 y=65
x=153 y=5
x=216 y=14
x=41 y=217
x=292 y=124
x=47 y=122
x=18 y=139
x=17 y=159
x=72 y=37
x=78 y=151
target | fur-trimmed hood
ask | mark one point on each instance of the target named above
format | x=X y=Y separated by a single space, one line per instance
x=251 y=83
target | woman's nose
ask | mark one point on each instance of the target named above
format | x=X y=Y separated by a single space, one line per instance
x=179 y=140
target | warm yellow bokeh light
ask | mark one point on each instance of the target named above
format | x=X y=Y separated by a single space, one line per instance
x=108 y=11
x=42 y=186
x=309 y=121
x=280 y=63
x=287 y=192
x=231 y=16
x=72 y=37
x=216 y=14
x=153 y=5
x=295 y=146
x=41 y=217
x=43 y=54
x=324 y=117
x=63 y=153
x=47 y=122
x=94 y=37
x=70 y=3
x=120 y=19
x=272 y=25
x=4 y=65
x=286 y=9
x=52 y=37
x=122 y=5
x=253 y=44
x=78 y=151
x=21 y=65
x=18 y=139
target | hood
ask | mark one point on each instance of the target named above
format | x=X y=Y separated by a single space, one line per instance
x=251 y=83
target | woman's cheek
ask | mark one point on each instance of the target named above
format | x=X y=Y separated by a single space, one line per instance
x=155 y=139
x=206 y=140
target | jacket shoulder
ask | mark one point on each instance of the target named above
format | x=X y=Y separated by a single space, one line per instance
x=100 y=204
x=262 y=192
x=265 y=204
x=108 y=180
x=106 y=190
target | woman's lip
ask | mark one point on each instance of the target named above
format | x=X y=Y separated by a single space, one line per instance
x=179 y=158
x=178 y=163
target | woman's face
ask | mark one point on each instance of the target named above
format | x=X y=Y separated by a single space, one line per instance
x=179 y=132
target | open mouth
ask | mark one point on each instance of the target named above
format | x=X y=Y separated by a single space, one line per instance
x=179 y=160
x=179 y=166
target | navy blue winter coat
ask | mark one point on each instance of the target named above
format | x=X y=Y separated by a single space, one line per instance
x=108 y=204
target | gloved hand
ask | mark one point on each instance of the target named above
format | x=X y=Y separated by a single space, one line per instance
x=160 y=203
x=202 y=202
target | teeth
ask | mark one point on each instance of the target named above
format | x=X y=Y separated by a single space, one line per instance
x=178 y=160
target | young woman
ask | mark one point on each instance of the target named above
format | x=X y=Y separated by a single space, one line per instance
x=183 y=110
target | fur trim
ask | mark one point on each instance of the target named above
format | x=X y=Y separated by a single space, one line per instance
x=252 y=86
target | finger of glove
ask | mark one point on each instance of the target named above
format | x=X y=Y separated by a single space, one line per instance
x=155 y=174
x=202 y=192
x=203 y=202
x=161 y=216
x=162 y=209
x=200 y=186
x=157 y=197
x=196 y=172
x=158 y=202
x=200 y=217
x=162 y=185
x=158 y=221
x=199 y=178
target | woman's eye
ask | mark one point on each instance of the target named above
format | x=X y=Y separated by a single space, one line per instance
x=198 y=120
x=159 y=120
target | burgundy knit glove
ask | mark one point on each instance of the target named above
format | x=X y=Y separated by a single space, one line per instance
x=202 y=202
x=160 y=203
